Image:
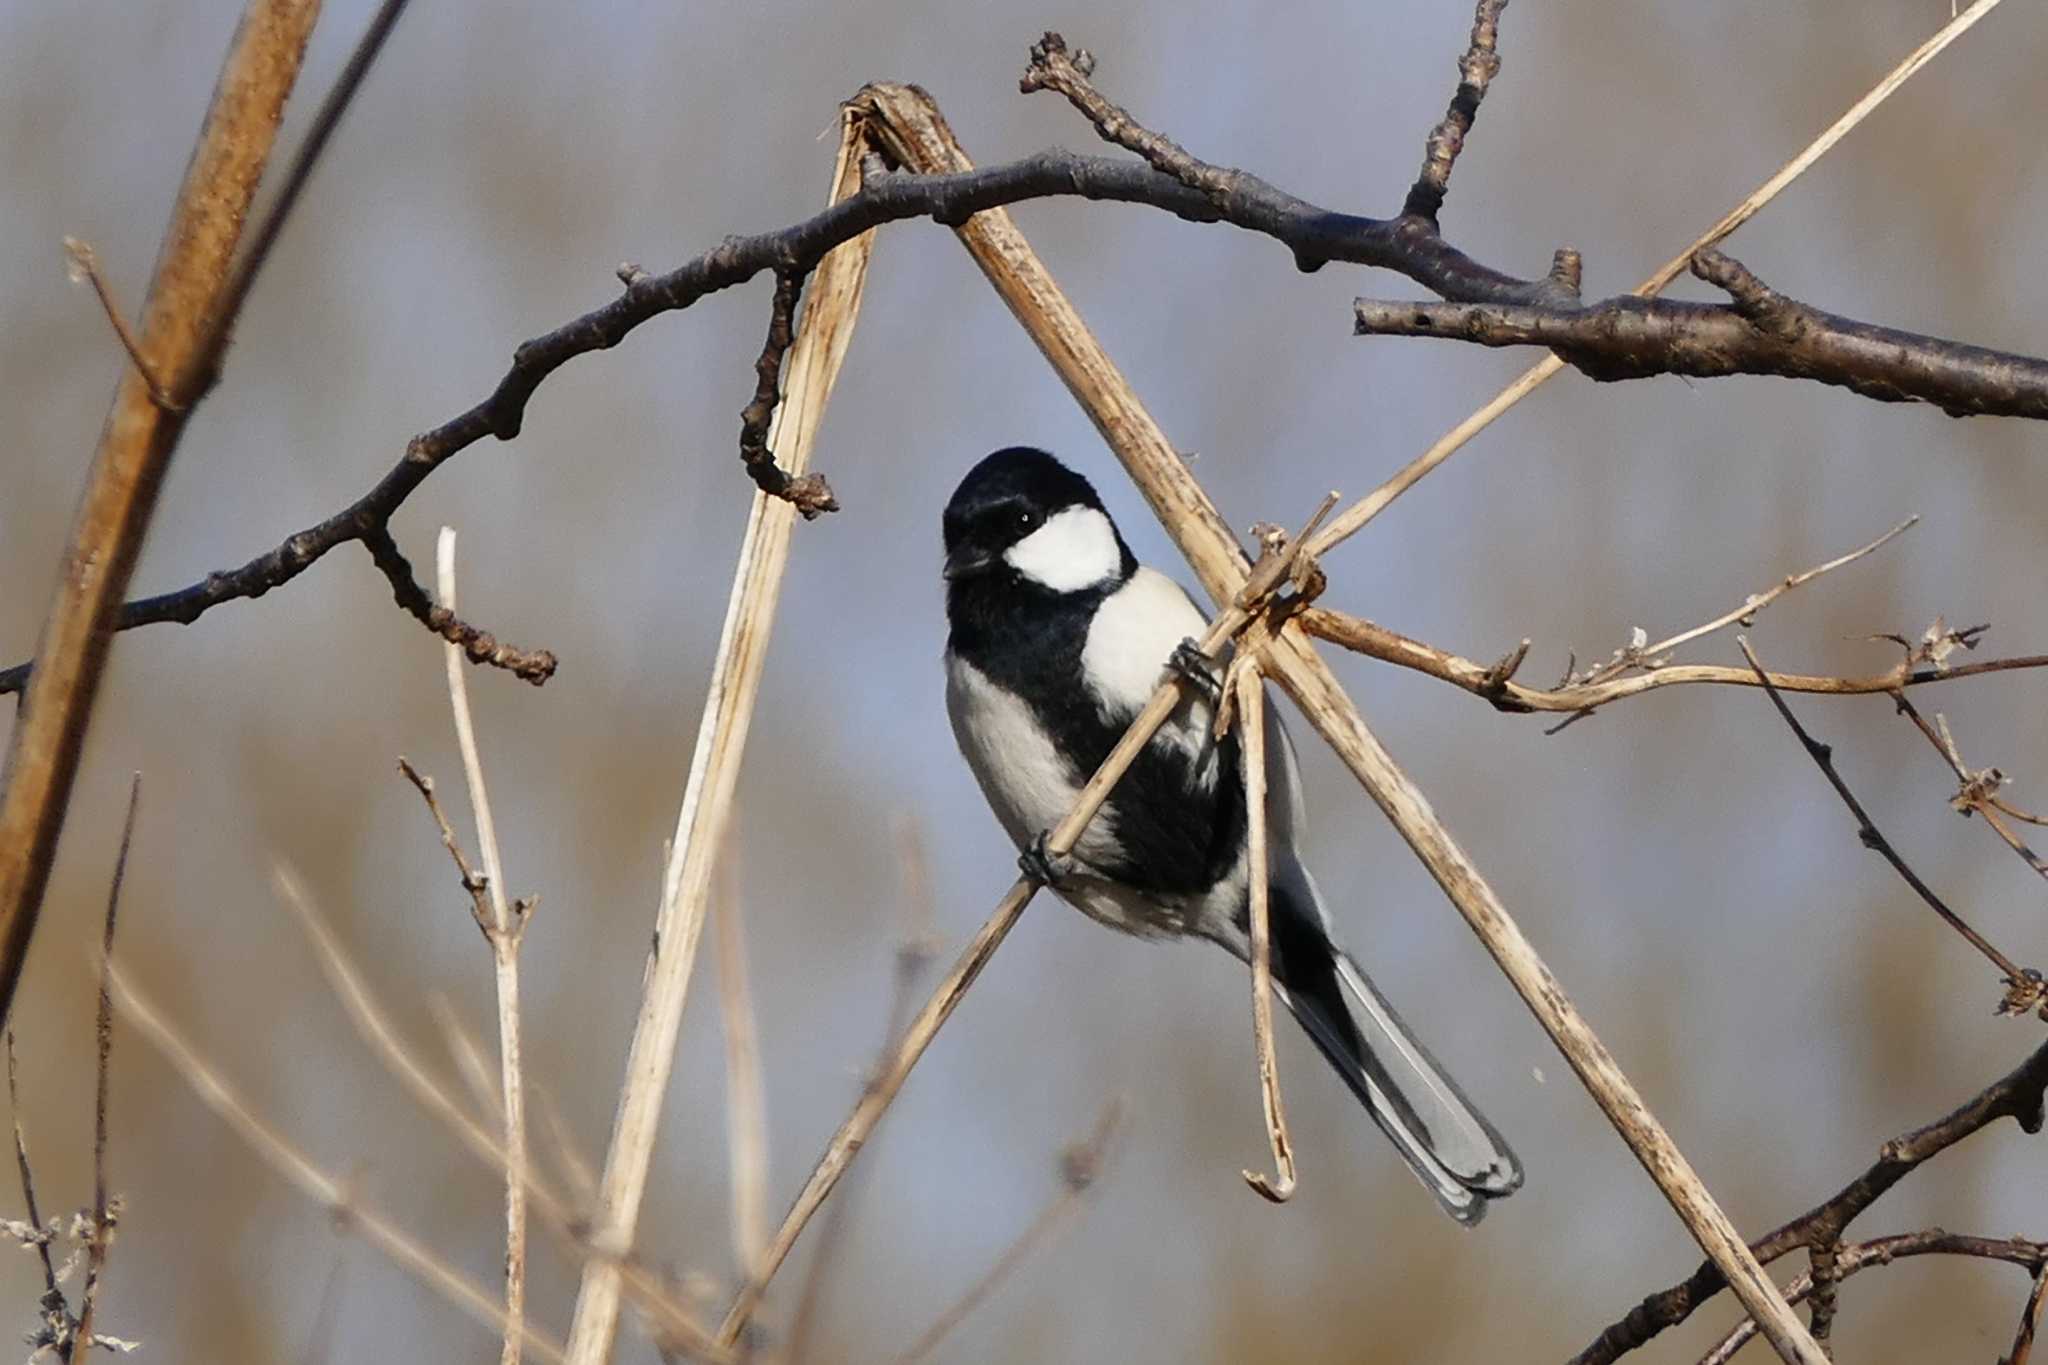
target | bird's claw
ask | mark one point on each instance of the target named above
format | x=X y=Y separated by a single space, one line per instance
x=1189 y=662
x=1042 y=865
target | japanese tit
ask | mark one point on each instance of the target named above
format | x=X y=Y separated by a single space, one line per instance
x=1058 y=638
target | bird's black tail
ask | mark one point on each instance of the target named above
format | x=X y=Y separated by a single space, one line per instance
x=1447 y=1142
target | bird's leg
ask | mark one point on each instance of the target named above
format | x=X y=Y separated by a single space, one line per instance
x=1042 y=865
x=1189 y=662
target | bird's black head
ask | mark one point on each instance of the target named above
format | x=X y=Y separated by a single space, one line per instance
x=1022 y=518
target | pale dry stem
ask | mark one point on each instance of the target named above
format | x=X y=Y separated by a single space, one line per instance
x=746 y=1114
x=823 y=333
x=506 y=929
x=330 y=1193
x=1251 y=707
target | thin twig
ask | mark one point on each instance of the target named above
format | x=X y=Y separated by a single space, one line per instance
x=822 y=336
x=1978 y=794
x=1080 y=1167
x=505 y=931
x=2024 y=986
x=919 y=139
x=347 y=1211
x=28 y=1183
x=1476 y=70
x=181 y=326
x=1491 y=683
x=373 y=1024
x=85 y=266
x=746 y=1116
x=103 y=1217
x=1355 y=517
x=1650 y=656
x=809 y=493
x=2017 y=1095
x=1857 y=1256
x=1251 y=708
x=478 y=645
x=914 y=952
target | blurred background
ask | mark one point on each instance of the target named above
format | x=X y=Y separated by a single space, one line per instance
x=1780 y=996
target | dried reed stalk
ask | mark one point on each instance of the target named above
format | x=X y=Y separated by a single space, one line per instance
x=1251 y=722
x=911 y=128
x=822 y=335
x=183 y=327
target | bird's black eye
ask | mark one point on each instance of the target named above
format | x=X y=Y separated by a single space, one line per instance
x=1026 y=519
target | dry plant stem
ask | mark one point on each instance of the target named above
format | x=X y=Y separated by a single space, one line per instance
x=1080 y=1167
x=2017 y=1095
x=103 y=1048
x=1869 y=835
x=914 y=953
x=822 y=337
x=504 y=930
x=1251 y=722
x=1486 y=680
x=373 y=1023
x=28 y=1180
x=1879 y=1251
x=853 y=1133
x=181 y=326
x=299 y=1169
x=912 y=130
x=1356 y=516
x=746 y=1112
x=1636 y=658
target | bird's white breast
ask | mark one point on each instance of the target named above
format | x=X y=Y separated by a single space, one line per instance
x=1134 y=633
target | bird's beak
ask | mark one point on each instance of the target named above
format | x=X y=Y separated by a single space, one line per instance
x=967 y=562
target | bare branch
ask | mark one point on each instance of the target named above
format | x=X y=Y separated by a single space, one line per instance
x=1978 y=794
x=85 y=266
x=808 y=493
x=1476 y=70
x=2025 y=988
x=1762 y=333
x=1883 y=1251
x=2017 y=1095
x=479 y=646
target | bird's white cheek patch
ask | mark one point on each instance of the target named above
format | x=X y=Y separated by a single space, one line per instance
x=1075 y=549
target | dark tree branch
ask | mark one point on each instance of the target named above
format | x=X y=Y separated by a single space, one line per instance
x=1878 y=1251
x=1761 y=332
x=1476 y=70
x=2025 y=987
x=808 y=493
x=1962 y=378
x=534 y=665
x=2016 y=1095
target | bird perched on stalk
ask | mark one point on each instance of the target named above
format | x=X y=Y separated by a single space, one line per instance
x=1058 y=639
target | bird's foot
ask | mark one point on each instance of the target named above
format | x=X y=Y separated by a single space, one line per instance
x=1189 y=662
x=1042 y=865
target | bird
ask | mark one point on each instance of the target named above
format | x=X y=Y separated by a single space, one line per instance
x=1057 y=637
